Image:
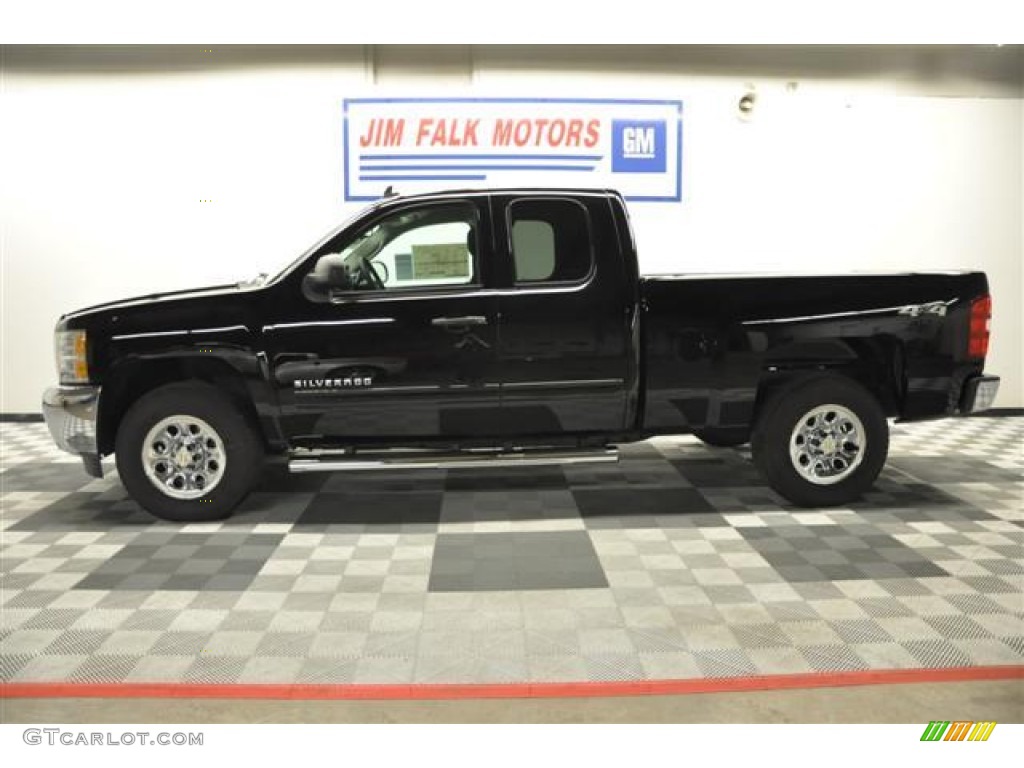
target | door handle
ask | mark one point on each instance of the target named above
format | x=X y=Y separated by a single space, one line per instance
x=459 y=322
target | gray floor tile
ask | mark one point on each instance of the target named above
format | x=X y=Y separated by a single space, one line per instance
x=676 y=562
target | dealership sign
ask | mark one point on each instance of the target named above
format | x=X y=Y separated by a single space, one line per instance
x=418 y=145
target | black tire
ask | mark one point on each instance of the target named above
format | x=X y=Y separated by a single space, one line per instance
x=241 y=446
x=776 y=427
x=723 y=437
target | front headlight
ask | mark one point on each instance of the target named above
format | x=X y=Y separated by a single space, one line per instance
x=71 y=363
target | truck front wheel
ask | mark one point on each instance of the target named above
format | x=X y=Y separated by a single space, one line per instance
x=822 y=441
x=186 y=453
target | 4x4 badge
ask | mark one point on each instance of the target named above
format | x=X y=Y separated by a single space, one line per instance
x=931 y=308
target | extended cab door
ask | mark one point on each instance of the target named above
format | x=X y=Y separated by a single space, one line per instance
x=403 y=345
x=565 y=315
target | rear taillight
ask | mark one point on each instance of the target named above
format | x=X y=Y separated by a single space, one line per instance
x=981 y=313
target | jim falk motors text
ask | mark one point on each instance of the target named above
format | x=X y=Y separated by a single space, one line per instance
x=467 y=132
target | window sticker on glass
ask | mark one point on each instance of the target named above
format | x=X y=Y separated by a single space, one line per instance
x=439 y=260
x=403 y=266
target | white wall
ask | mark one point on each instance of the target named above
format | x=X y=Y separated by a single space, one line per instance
x=106 y=169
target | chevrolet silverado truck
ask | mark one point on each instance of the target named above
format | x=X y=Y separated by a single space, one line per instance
x=508 y=328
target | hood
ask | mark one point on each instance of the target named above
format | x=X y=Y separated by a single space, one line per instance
x=229 y=289
x=214 y=306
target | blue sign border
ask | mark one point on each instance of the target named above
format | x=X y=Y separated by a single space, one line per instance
x=677 y=198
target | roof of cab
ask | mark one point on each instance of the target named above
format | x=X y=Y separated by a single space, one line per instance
x=501 y=191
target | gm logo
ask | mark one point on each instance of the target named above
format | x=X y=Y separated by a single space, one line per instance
x=638 y=146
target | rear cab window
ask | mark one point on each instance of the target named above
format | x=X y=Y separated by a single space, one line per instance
x=550 y=241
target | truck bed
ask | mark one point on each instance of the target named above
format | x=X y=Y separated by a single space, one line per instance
x=710 y=339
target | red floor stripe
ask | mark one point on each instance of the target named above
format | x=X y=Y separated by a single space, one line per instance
x=503 y=690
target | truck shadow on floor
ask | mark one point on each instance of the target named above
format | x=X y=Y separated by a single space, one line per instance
x=641 y=492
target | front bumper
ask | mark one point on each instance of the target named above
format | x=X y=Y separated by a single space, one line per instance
x=978 y=393
x=71 y=416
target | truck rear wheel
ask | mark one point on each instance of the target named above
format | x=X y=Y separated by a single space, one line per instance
x=822 y=441
x=186 y=453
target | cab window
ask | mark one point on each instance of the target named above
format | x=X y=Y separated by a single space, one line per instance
x=550 y=240
x=424 y=247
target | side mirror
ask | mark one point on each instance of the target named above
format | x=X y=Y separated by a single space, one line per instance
x=339 y=278
x=315 y=288
x=327 y=277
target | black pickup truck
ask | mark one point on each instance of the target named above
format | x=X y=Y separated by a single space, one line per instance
x=508 y=327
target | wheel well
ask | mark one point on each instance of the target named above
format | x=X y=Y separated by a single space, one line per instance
x=876 y=364
x=138 y=378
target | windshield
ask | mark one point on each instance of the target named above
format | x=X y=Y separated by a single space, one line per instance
x=321 y=242
x=374 y=241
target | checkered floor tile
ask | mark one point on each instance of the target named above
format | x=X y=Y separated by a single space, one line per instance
x=677 y=562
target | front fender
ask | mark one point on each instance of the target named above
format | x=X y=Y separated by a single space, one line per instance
x=241 y=371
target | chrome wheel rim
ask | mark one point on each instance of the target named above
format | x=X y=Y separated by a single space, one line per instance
x=183 y=457
x=827 y=444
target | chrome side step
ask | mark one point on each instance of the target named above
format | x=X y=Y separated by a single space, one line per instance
x=340 y=462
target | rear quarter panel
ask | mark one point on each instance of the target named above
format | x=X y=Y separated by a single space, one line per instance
x=710 y=342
